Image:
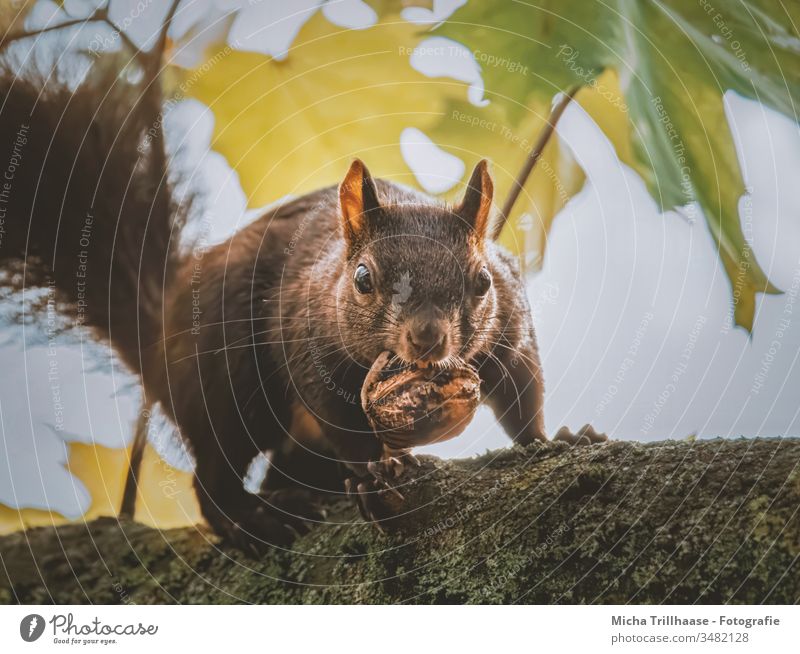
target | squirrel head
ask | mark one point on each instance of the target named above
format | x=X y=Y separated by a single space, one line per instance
x=417 y=279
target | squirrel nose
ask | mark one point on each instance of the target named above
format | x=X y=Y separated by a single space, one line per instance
x=427 y=339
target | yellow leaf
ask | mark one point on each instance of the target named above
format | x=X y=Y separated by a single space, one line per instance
x=103 y=471
x=165 y=500
x=16 y=519
x=605 y=103
x=472 y=133
x=292 y=126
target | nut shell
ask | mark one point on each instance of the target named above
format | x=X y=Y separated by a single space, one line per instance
x=408 y=405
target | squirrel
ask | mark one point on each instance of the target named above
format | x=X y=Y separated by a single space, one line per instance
x=260 y=343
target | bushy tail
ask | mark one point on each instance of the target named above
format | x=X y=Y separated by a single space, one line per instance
x=85 y=209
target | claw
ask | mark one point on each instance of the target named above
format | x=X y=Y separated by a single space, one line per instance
x=395 y=492
x=586 y=435
x=362 y=509
x=370 y=492
x=395 y=460
x=374 y=469
x=381 y=483
x=587 y=431
x=377 y=471
x=563 y=434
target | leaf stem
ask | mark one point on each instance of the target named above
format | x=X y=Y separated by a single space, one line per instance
x=533 y=157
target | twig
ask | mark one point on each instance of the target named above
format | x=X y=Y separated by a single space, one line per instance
x=124 y=37
x=155 y=57
x=533 y=157
x=99 y=16
x=24 y=34
x=128 y=506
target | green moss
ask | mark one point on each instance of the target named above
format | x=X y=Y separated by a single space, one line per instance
x=708 y=521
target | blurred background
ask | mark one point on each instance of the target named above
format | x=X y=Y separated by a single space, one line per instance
x=645 y=329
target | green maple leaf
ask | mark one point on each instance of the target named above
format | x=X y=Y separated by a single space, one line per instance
x=674 y=59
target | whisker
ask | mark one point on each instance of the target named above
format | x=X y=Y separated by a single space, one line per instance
x=239 y=347
x=521 y=355
x=507 y=373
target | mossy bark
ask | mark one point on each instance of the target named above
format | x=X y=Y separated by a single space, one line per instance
x=677 y=522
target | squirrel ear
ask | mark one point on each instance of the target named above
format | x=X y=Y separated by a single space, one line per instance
x=357 y=197
x=476 y=206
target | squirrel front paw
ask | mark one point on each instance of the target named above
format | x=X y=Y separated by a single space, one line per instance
x=377 y=499
x=586 y=435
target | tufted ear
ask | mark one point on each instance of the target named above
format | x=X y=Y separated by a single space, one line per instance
x=475 y=208
x=357 y=198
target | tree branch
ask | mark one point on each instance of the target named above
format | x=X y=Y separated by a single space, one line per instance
x=674 y=522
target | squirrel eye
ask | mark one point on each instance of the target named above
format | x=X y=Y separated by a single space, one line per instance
x=483 y=283
x=362 y=279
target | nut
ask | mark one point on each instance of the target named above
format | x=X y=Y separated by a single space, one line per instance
x=408 y=405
